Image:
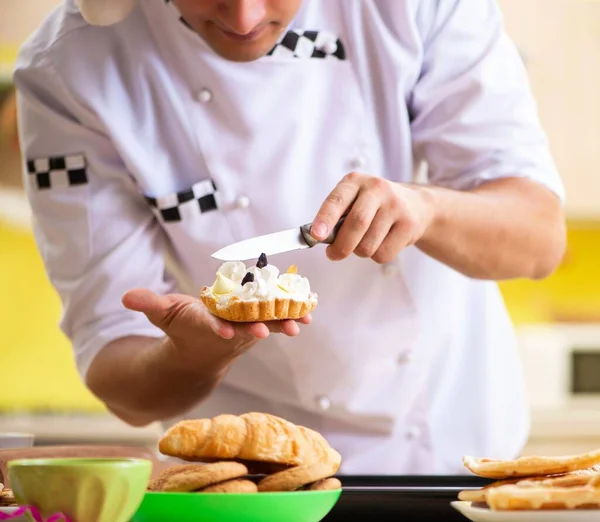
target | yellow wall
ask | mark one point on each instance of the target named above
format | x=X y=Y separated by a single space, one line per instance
x=8 y=55
x=572 y=293
x=36 y=366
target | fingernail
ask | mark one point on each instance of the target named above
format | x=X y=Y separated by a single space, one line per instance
x=319 y=229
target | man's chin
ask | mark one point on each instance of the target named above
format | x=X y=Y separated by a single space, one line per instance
x=243 y=52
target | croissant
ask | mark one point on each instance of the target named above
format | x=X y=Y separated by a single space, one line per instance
x=249 y=437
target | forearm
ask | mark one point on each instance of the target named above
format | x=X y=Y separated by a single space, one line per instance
x=505 y=229
x=139 y=381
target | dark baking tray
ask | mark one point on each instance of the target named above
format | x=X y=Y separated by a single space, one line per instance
x=401 y=498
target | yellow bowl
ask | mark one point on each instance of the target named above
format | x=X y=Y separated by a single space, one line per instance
x=84 y=489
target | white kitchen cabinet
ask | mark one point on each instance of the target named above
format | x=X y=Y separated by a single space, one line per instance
x=560 y=447
x=563 y=431
x=560 y=43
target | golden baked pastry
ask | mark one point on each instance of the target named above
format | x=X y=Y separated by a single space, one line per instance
x=204 y=476
x=530 y=466
x=564 y=480
x=327 y=484
x=232 y=486
x=231 y=477
x=7 y=498
x=515 y=497
x=258 y=293
x=249 y=437
x=158 y=482
x=296 y=478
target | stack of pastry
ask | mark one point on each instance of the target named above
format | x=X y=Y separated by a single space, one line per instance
x=537 y=483
x=7 y=499
x=249 y=453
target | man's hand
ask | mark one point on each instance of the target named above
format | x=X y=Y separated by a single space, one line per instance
x=191 y=327
x=143 y=379
x=383 y=217
x=506 y=228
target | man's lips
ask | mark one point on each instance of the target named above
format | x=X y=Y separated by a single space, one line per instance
x=252 y=35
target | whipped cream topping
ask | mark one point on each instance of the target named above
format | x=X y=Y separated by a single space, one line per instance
x=234 y=279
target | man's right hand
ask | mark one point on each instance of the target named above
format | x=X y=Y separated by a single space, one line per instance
x=143 y=379
x=189 y=325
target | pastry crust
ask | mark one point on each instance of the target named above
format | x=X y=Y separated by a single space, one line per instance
x=531 y=466
x=514 y=497
x=232 y=486
x=241 y=311
x=564 y=480
x=204 y=476
x=295 y=478
x=249 y=437
x=7 y=498
x=328 y=484
x=158 y=482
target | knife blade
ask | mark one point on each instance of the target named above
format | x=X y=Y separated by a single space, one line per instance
x=276 y=243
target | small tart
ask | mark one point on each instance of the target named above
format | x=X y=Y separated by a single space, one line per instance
x=257 y=311
x=258 y=293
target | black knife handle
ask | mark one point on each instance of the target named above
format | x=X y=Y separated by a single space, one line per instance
x=311 y=241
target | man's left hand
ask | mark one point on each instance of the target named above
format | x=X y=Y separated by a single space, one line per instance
x=382 y=217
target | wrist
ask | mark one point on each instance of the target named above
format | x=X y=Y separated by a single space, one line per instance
x=185 y=362
x=208 y=358
x=430 y=209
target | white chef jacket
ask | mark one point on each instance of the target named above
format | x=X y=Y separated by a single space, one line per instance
x=146 y=152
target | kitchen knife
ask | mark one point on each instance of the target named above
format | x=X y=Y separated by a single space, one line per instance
x=276 y=243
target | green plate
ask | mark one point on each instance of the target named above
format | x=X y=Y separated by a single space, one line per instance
x=293 y=506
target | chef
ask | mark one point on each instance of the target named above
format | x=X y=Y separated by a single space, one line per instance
x=156 y=132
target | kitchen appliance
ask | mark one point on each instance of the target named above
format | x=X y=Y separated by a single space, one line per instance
x=561 y=364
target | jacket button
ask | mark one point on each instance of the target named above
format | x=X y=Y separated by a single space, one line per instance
x=329 y=47
x=405 y=358
x=204 y=96
x=413 y=432
x=359 y=162
x=323 y=402
x=243 y=202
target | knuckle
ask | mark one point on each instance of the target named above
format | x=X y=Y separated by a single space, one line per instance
x=401 y=228
x=396 y=206
x=378 y=184
x=365 y=249
x=352 y=177
x=358 y=219
x=335 y=199
x=409 y=223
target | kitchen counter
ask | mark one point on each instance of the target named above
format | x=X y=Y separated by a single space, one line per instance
x=571 y=428
x=410 y=498
x=566 y=430
x=80 y=429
